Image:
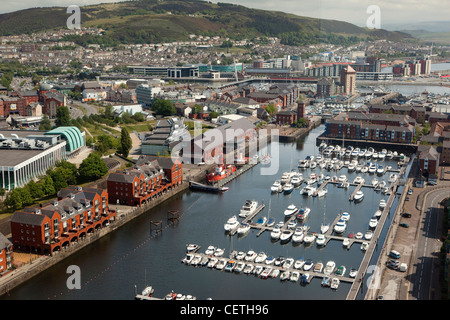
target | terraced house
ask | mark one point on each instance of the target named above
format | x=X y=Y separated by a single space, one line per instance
x=147 y=180
x=47 y=228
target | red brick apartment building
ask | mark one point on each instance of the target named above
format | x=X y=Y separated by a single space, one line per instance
x=148 y=179
x=6 y=257
x=72 y=216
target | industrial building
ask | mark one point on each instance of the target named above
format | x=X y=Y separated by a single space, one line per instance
x=25 y=155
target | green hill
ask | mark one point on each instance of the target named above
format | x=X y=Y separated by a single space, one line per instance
x=144 y=21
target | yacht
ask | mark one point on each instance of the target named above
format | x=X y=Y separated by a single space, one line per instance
x=269 y=260
x=382 y=204
x=321 y=239
x=346 y=242
x=275 y=233
x=340 y=226
x=358 y=196
x=231 y=223
x=312 y=164
x=248 y=268
x=290 y=210
x=248 y=208
x=393 y=177
x=303 y=213
x=378 y=213
x=210 y=250
x=276 y=187
x=292 y=224
x=372 y=168
x=364 y=169
x=342 y=178
x=352 y=273
x=285 y=178
x=329 y=267
x=295 y=275
x=351 y=167
x=389 y=154
x=374 y=182
x=321 y=192
x=288 y=263
x=364 y=246
x=250 y=256
x=285 y=275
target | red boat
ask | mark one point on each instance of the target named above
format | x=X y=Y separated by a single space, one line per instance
x=220 y=172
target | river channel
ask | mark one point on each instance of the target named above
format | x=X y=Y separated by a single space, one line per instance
x=131 y=256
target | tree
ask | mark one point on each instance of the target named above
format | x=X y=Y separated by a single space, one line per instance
x=125 y=142
x=48 y=187
x=164 y=107
x=92 y=168
x=271 y=109
x=45 y=123
x=62 y=117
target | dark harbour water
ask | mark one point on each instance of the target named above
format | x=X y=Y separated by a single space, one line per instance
x=111 y=267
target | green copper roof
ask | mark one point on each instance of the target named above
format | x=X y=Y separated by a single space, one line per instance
x=72 y=135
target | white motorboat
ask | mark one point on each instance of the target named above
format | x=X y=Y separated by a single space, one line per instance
x=393 y=177
x=374 y=182
x=188 y=258
x=295 y=275
x=286 y=235
x=326 y=281
x=346 y=242
x=364 y=246
x=359 y=196
x=285 y=178
x=329 y=267
x=322 y=192
x=380 y=170
x=345 y=216
x=358 y=180
x=342 y=178
x=368 y=235
x=261 y=221
x=276 y=187
x=248 y=268
x=231 y=264
x=352 y=273
x=321 y=239
x=239 y=267
x=303 y=213
x=248 y=208
x=373 y=222
x=298 y=235
x=378 y=213
x=231 y=223
x=296 y=181
x=212 y=262
x=303 y=164
x=279 y=261
x=351 y=167
x=275 y=233
x=285 y=275
x=269 y=260
x=290 y=210
x=389 y=154
x=288 y=188
x=210 y=250
x=309 y=238
x=292 y=224
x=250 y=256
x=308 y=265
x=334 y=283
x=288 y=263
x=312 y=164
x=364 y=169
x=340 y=226
x=359 y=235
x=192 y=247
x=221 y=264
x=243 y=228
x=258 y=269
x=372 y=168
x=261 y=257
x=240 y=255
x=382 y=204
x=298 y=264
x=219 y=252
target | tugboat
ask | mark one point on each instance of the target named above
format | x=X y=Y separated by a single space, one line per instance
x=220 y=172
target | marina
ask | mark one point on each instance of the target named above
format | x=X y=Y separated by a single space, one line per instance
x=120 y=260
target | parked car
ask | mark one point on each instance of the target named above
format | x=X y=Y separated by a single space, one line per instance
x=406 y=215
x=410 y=191
x=404 y=225
x=393 y=264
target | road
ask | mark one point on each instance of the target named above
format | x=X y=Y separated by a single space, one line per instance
x=425 y=274
x=76 y=109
